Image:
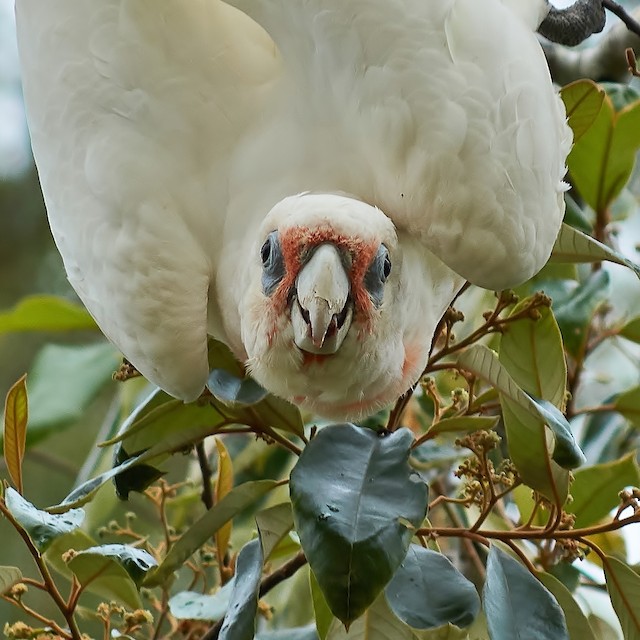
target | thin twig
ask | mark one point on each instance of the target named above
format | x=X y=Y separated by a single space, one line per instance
x=207 y=474
x=619 y=11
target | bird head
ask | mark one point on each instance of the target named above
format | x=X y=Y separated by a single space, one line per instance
x=319 y=321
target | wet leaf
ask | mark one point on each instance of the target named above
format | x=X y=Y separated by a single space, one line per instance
x=190 y=605
x=233 y=389
x=16 y=415
x=356 y=530
x=43 y=528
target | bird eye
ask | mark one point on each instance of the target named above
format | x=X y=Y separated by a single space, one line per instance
x=377 y=275
x=386 y=268
x=272 y=263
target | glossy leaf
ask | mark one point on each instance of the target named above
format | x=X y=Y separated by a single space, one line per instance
x=43 y=528
x=628 y=404
x=233 y=389
x=9 y=577
x=574 y=246
x=601 y=161
x=274 y=524
x=46 y=313
x=223 y=484
x=190 y=605
x=575 y=313
x=240 y=620
x=355 y=499
x=577 y=623
x=531 y=351
x=464 y=423
x=517 y=605
x=136 y=562
x=233 y=503
x=623 y=585
x=427 y=592
x=16 y=415
x=595 y=489
x=583 y=101
x=631 y=330
x=63 y=382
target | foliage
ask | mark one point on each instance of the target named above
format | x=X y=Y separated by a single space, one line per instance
x=475 y=465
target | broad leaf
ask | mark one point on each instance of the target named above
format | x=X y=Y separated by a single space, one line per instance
x=623 y=585
x=575 y=312
x=583 y=101
x=46 y=313
x=355 y=500
x=43 y=528
x=427 y=592
x=577 y=623
x=9 y=577
x=628 y=404
x=574 y=246
x=377 y=623
x=112 y=571
x=299 y=633
x=322 y=613
x=274 y=524
x=223 y=484
x=190 y=605
x=531 y=351
x=517 y=605
x=16 y=415
x=595 y=489
x=601 y=161
x=233 y=389
x=63 y=382
x=240 y=621
x=233 y=503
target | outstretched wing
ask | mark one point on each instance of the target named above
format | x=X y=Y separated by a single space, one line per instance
x=442 y=113
x=134 y=108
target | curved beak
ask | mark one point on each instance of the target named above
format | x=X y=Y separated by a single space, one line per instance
x=321 y=313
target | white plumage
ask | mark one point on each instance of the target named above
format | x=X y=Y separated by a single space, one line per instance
x=174 y=139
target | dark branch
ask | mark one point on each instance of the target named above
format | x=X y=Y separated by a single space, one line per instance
x=575 y=24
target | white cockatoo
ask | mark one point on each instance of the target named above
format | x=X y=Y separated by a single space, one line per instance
x=309 y=181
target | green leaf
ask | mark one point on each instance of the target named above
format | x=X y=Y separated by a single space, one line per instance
x=464 y=423
x=355 y=499
x=16 y=415
x=427 y=592
x=63 y=382
x=240 y=620
x=525 y=419
x=299 y=633
x=189 y=605
x=577 y=623
x=517 y=605
x=601 y=161
x=9 y=577
x=623 y=585
x=83 y=493
x=575 y=313
x=628 y=404
x=223 y=484
x=574 y=246
x=631 y=330
x=46 y=313
x=377 y=623
x=595 y=489
x=322 y=613
x=43 y=528
x=233 y=503
x=274 y=524
x=583 y=101
x=233 y=389
x=531 y=351
x=112 y=572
